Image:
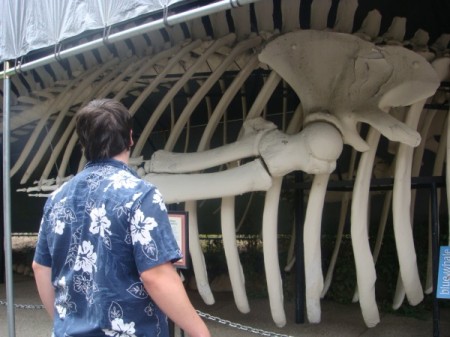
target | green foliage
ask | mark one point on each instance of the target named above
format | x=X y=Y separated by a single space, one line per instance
x=252 y=261
x=343 y=285
x=214 y=257
x=23 y=256
x=387 y=269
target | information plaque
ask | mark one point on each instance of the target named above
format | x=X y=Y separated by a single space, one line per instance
x=179 y=222
x=443 y=286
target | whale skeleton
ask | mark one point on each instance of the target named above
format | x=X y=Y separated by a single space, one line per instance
x=340 y=79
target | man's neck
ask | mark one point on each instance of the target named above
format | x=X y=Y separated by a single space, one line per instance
x=123 y=156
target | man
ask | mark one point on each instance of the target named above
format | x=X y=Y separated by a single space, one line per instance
x=103 y=262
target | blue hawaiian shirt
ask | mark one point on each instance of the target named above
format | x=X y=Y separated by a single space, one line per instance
x=99 y=231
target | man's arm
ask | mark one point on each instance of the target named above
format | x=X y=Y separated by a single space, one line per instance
x=43 y=277
x=165 y=287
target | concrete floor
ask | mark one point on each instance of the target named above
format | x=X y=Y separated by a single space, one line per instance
x=337 y=319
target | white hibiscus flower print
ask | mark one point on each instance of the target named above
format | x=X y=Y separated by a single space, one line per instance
x=122 y=179
x=93 y=181
x=60 y=213
x=99 y=222
x=59 y=227
x=158 y=199
x=120 y=329
x=85 y=284
x=150 y=309
x=61 y=310
x=82 y=283
x=125 y=208
x=90 y=204
x=61 y=282
x=136 y=195
x=63 y=304
x=133 y=199
x=86 y=257
x=65 y=307
x=141 y=227
x=59 y=189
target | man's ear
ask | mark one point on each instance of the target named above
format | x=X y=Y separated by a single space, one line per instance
x=131 y=139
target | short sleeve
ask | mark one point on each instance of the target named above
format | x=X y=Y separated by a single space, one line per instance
x=151 y=233
x=42 y=252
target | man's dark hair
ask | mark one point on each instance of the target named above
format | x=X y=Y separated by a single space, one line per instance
x=103 y=127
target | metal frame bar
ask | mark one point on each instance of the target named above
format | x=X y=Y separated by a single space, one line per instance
x=119 y=36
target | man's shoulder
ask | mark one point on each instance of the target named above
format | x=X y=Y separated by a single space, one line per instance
x=105 y=178
x=126 y=181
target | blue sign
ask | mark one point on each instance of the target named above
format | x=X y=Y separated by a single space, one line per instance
x=443 y=286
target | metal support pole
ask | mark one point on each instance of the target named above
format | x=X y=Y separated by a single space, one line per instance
x=435 y=255
x=299 y=253
x=7 y=205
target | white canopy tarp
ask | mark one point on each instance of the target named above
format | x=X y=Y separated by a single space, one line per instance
x=27 y=25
